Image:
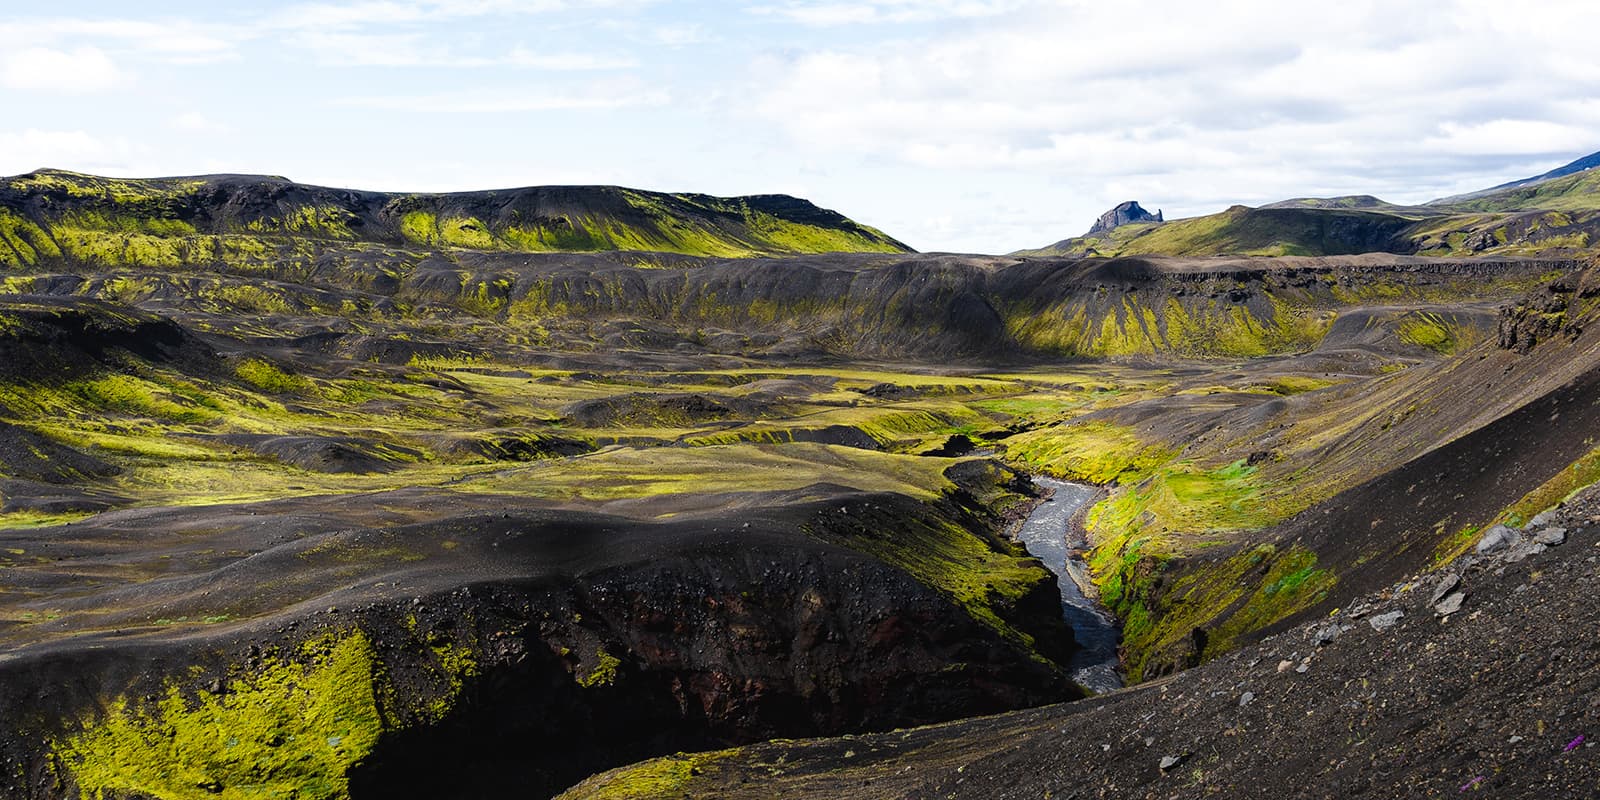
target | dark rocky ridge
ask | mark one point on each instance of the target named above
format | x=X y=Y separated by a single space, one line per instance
x=1126 y=213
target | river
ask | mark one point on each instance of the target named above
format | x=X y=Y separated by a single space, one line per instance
x=1050 y=535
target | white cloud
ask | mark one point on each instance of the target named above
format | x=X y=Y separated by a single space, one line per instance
x=681 y=35
x=593 y=99
x=196 y=122
x=1194 y=106
x=1512 y=137
x=824 y=13
x=82 y=69
x=178 y=41
x=411 y=49
x=340 y=16
x=30 y=149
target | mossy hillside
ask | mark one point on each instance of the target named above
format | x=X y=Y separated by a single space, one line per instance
x=154 y=222
x=1167 y=523
x=650 y=780
x=1578 y=475
x=1225 y=594
x=1436 y=332
x=1545 y=218
x=890 y=426
x=293 y=728
x=979 y=575
x=1576 y=192
x=1520 y=233
x=1095 y=452
x=1164 y=512
x=1241 y=230
x=1157 y=324
x=621 y=473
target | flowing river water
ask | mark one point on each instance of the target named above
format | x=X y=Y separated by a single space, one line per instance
x=1052 y=534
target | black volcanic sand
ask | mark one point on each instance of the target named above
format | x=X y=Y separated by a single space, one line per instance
x=1499 y=699
x=728 y=629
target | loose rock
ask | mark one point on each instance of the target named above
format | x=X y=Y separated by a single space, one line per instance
x=1496 y=539
x=1384 y=622
x=1168 y=762
x=1326 y=634
x=1522 y=551
x=1551 y=537
x=1450 y=605
x=1446 y=585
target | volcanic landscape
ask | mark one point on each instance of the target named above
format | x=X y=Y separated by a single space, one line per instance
x=604 y=493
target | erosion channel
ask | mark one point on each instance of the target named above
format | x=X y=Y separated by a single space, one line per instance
x=1054 y=534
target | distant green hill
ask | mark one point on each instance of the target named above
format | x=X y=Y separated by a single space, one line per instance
x=1245 y=231
x=1558 y=212
x=51 y=214
x=1575 y=192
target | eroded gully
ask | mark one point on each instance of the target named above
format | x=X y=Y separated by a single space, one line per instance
x=1052 y=534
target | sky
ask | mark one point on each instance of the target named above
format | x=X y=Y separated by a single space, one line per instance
x=954 y=125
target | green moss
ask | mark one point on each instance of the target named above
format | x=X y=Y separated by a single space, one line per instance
x=292 y=728
x=1578 y=475
x=604 y=672
x=978 y=575
x=1096 y=452
x=268 y=377
x=127 y=394
x=1431 y=331
x=650 y=780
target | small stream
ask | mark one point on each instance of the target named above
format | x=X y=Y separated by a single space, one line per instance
x=1050 y=535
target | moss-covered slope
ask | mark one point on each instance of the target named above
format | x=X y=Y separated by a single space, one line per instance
x=50 y=216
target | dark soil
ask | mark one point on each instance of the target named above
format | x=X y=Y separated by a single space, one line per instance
x=1501 y=697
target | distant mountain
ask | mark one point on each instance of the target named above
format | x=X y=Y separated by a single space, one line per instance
x=1575 y=186
x=53 y=213
x=1360 y=202
x=1128 y=213
x=1557 y=212
x=1588 y=162
x=1242 y=230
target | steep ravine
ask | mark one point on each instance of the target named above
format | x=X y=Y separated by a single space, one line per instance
x=1054 y=534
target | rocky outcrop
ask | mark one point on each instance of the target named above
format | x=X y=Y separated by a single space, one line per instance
x=1124 y=214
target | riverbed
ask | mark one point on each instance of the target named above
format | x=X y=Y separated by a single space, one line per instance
x=1050 y=535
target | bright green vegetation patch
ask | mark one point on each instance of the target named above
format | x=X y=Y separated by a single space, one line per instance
x=1577 y=192
x=1241 y=230
x=294 y=728
x=605 y=670
x=622 y=474
x=268 y=377
x=1096 y=452
x=127 y=394
x=1432 y=331
x=1176 y=511
x=650 y=780
x=687 y=224
x=886 y=425
x=1188 y=327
